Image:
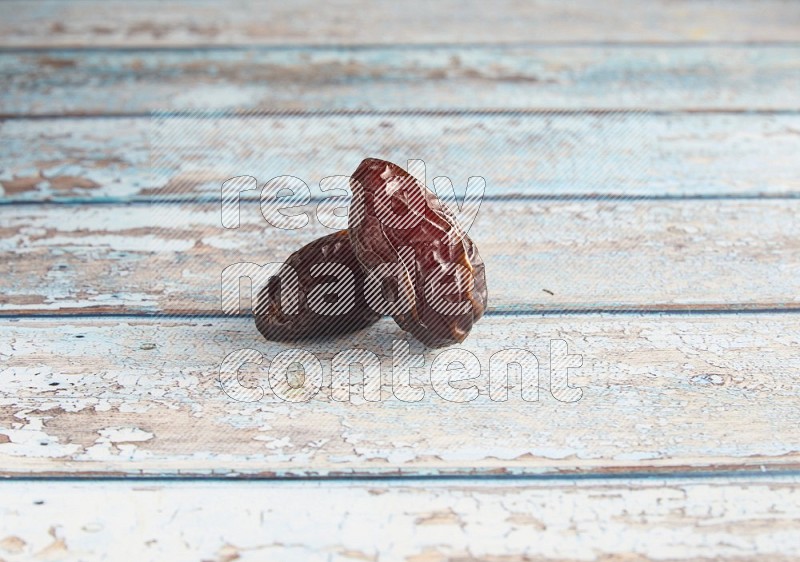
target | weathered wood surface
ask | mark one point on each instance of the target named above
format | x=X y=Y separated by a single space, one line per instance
x=675 y=519
x=232 y=22
x=668 y=393
x=85 y=394
x=573 y=255
x=77 y=82
x=538 y=154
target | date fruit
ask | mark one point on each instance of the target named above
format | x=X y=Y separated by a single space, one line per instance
x=440 y=291
x=328 y=285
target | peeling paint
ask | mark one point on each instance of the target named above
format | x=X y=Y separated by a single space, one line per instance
x=92 y=259
x=471 y=519
x=101 y=402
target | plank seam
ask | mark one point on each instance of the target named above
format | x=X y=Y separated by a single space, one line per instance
x=407 y=112
x=793 y=308
x=764 y=472
x=567 y=197
x=699 y=44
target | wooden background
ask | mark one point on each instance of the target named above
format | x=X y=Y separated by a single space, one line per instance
x=642 y=162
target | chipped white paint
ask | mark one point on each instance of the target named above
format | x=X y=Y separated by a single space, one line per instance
x=141 y=395
x=589 y=254
x=661 y=393
x=117 y=442
x=28 y=435
x=472 y=520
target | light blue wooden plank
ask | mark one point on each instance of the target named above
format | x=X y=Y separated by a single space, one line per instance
x=660 y=394
x=532 y=155
x=237 y=22
x=472 y=519
x=502 y=77
x=540 y=256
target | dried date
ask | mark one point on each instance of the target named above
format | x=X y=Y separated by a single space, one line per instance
x=327 y=282
x=440 y=289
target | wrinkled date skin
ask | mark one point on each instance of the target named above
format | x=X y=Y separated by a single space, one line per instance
x=330 y=301
x=395 y=218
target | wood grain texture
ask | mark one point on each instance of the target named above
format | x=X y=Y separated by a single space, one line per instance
x=653 y=255
x=111 y=341
x=470 y=521
x=659 y=394
x=76 y=82
x=233 y=22
x=538 y=154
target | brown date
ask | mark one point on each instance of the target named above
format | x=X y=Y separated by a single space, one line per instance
x=329 y=292
x=441 y=283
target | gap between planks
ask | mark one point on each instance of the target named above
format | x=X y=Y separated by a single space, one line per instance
x=100 y=313
x=399 y=46
x=406 y=112
x=247 y=197
x=512 y=476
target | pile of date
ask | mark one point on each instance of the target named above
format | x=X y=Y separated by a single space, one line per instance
x=403 y=255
